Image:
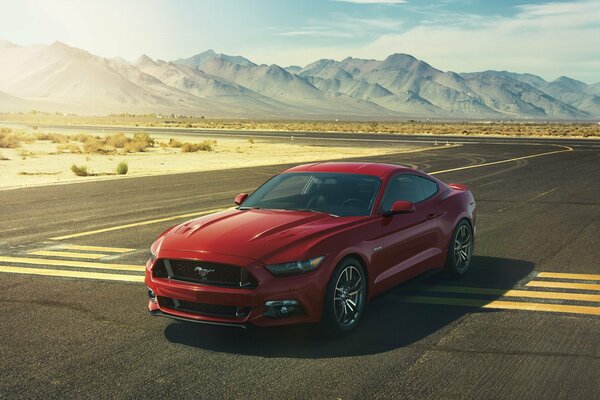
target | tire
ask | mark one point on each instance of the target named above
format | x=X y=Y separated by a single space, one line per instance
x=345 y=298
x=460 y=250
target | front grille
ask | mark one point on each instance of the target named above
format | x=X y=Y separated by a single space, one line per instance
x=206 y=273
x=217 y=310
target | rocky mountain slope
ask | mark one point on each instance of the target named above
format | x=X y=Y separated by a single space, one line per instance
x=58 y=77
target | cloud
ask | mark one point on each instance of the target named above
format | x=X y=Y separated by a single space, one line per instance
x=372 y=1
x=316 y=32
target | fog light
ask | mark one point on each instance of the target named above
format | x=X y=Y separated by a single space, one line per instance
x=282 y=308
x=151 y=295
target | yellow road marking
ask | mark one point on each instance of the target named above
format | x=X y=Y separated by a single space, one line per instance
x=97 y=248
x=504 y=305
x=132 y=225
x=511 y=293
x=68 y=254
x=71 y=274
x=72 y=263
x=528 y=200
x=560 y=275
x=564 y=285
x=567 y=149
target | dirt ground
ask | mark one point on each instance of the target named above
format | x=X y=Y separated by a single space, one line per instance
x=39 y=162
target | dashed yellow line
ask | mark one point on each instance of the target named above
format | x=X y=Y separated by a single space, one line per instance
x=71 y=274
x=71 y=263
x=504 y=305
x=97 y=248
x=560 y=275
x=511 y=293
x=564 y=285
x=142 y=223
x=67 y=254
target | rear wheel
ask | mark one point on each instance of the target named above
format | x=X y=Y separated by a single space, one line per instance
x=460 y=250
x=345 y=298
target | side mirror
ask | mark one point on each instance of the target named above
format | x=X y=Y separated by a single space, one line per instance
x=240 y=198
x=400 y=207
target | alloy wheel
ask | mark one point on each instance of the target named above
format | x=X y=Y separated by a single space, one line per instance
x=463 y=248
x=348 y=298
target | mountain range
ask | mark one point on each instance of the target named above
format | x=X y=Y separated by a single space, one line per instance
x=61 y=78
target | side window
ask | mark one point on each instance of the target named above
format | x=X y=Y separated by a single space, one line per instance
x=402 y=187
x=428 y=187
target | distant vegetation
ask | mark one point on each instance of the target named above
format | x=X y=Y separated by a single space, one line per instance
x=12 y=140
x=417 y=127
x=81 y=142
x=205 y=145
x=187 y=147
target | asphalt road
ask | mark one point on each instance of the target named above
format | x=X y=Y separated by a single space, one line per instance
x=524 y=323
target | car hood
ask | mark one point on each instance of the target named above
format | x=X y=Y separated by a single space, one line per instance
x=263 y=235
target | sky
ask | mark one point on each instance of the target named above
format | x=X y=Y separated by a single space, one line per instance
x=547 y=38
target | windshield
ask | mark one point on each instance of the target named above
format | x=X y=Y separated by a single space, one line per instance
x=333 y=193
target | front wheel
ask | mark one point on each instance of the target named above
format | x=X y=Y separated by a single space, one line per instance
x=460 y=250
x=345 y=298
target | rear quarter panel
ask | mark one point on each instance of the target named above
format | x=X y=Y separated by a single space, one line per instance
x=457 y=204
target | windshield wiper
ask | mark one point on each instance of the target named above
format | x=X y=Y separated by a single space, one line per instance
x=310 y=210
x=249 y=208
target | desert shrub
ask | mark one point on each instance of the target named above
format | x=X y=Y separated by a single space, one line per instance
x=42 y=136
x=194 y=147
x=189 y=148
x=145 y=138
x=58 y=138
x=251 y=140
x=134 y=147
x=94 y=145
x=118 y=140
x=10 y=139
x=122 y=168
x=80 y=170
x=175 y=143
x=81 y=137
x=68 y=148
x=3 y=158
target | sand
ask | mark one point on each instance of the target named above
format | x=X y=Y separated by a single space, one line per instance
x=38 y=163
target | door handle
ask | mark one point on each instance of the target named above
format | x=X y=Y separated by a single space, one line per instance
x=433 y=215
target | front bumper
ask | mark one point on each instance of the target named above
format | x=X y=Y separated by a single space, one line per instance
x=308 y=290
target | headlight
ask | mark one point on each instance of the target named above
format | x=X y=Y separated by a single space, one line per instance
x=295 y=267
x=152 y=256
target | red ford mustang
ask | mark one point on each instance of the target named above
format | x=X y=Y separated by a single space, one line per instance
x=313 y=244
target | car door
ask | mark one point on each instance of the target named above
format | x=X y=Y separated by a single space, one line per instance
x=410 y=240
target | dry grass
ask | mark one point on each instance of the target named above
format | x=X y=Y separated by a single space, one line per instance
x=53 y=137
x=37 y=173
x=80 y=170
x=205 y=145
x=68 y=148
x=117 y=143
x=175 y=143
x=12 y=140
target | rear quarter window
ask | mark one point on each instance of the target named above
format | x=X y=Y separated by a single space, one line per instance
x=428 y=187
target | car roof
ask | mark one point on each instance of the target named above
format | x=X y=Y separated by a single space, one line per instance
x=363 y=168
